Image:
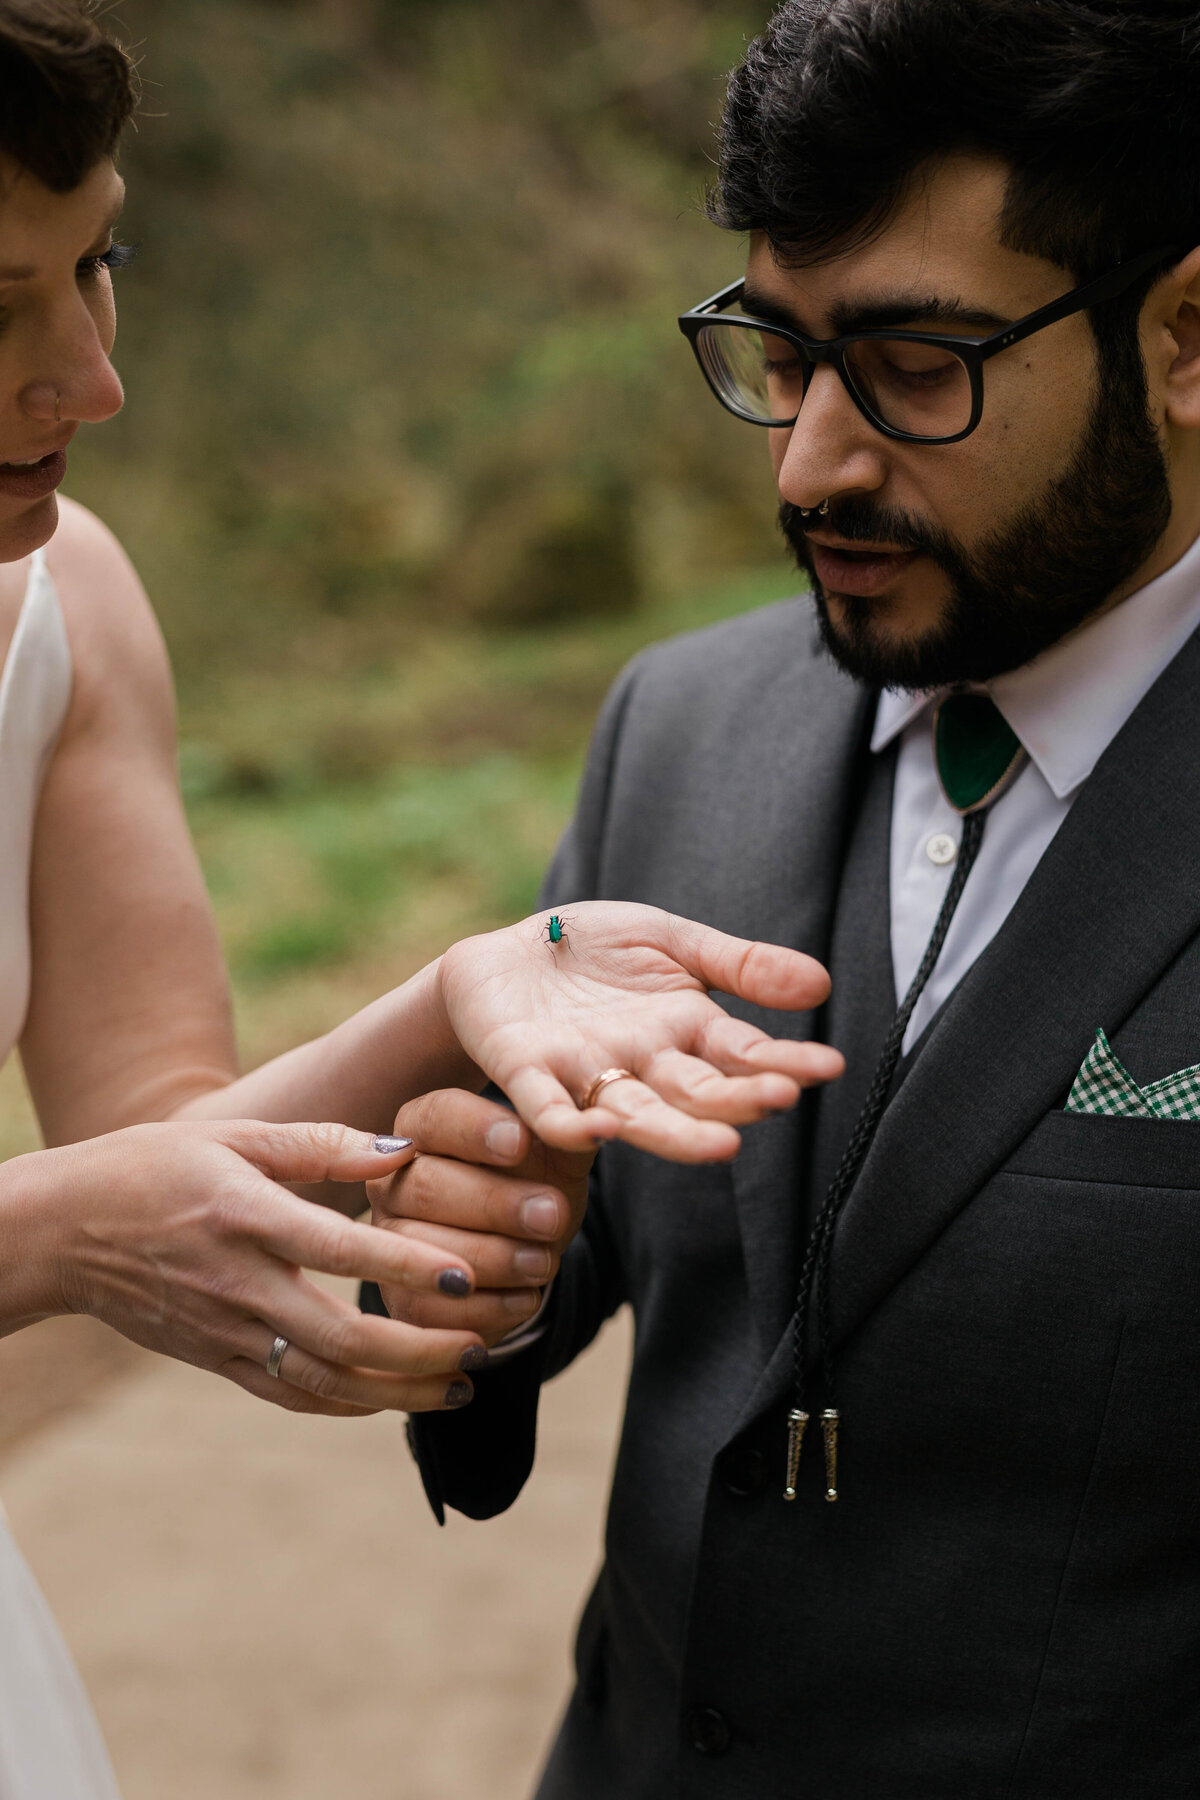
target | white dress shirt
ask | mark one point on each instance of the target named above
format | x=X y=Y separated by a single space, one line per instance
x=1066 y=707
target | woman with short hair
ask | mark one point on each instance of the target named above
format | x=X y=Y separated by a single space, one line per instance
x=159 y=1205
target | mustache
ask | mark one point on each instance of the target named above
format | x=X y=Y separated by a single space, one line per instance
x=861 y=520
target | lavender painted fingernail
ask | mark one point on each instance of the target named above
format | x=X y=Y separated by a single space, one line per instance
x=390 y=1146
x=474 y=1359
x=459 y=1393
x=455 y=1282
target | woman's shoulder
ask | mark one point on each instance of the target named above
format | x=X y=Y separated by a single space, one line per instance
x=116 y=645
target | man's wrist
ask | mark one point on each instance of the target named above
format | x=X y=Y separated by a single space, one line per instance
x=523 y=1336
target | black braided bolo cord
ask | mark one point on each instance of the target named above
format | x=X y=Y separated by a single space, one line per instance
x=814 y=1271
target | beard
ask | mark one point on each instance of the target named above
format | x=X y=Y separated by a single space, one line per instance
x=1032 y=579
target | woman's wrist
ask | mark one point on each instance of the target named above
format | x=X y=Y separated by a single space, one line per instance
x=33 y=1283
x=440 y=1045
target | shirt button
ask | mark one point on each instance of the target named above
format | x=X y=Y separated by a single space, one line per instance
x=941 y=849
x=709 y=1731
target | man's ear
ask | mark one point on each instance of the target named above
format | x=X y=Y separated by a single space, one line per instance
x=1179 y=313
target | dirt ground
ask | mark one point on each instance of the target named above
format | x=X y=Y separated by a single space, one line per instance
x=263 y=1606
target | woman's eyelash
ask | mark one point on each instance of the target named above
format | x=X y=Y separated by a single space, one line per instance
x=117 y=256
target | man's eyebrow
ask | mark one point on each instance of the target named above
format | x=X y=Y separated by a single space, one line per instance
x=903 y=311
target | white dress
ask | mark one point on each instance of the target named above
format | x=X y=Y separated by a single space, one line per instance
x=50 y=1744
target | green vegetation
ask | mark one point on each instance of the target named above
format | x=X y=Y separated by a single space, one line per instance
x=414 y=456
x=307 y=871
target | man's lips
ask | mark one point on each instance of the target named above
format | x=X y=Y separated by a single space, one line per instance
x=844 y=567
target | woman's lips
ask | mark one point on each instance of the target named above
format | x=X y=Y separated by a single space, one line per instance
x=864 y=572
x=33 y=481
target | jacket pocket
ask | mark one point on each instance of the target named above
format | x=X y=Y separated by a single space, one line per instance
x=1126 y=1152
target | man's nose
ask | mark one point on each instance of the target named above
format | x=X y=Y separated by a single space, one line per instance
x=830 y=450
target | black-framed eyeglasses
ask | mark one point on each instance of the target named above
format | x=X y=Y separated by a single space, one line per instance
x=922 y=387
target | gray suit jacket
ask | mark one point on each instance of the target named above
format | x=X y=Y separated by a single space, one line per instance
x=1006 y=1600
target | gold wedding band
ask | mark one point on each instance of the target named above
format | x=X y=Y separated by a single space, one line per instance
x=601 y=1082
x=278 y=1352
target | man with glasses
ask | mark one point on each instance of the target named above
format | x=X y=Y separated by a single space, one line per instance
x=907 y=1496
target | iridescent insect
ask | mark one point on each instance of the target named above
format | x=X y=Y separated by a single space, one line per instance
x=554 y=932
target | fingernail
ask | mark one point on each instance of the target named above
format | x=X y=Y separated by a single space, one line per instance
x=530 y=1261
x=504 y=1138
x=390 y=1146
x=459 y=1393
x=455 y=1282
x=474 y=1359
x=539 y=1216
x=524 y=1305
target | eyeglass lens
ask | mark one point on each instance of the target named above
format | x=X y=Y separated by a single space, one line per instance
x=921 y=389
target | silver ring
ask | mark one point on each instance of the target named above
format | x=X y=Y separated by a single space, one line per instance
x=278 y=1352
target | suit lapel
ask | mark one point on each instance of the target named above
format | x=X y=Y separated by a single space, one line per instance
x=1113 y=901
x=806 y=737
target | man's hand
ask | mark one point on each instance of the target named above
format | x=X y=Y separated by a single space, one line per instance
x=628 y=987
x=484 y=1190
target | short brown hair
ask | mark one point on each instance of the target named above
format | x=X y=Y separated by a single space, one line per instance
x=66 y=90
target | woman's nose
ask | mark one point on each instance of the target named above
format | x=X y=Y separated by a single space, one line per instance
x=87 y=395
x=73 y=380
x=42 y=400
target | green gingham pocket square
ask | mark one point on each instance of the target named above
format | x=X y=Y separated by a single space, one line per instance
x=1105 y=1086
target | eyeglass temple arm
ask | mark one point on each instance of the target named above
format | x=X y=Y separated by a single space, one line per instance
x=1105 y=287
x=717 y=302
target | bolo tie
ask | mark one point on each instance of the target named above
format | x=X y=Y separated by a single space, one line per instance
x=978 y=757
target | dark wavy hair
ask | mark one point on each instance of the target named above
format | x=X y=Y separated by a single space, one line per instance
x=66 y=90
x=1094 y=105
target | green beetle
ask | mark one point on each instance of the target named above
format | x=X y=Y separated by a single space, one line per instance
x=555 y=931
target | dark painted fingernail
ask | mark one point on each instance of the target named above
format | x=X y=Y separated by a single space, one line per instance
x=474 y=1359
x=390 y=1146
x=455 y=1282
x=459 y=1393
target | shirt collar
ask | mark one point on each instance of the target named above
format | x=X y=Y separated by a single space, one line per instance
x=1068 y=705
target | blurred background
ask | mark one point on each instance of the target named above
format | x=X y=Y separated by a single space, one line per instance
x=413 y=459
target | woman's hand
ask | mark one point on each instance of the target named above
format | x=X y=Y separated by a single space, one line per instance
x=624 y=986
x=181 y=1237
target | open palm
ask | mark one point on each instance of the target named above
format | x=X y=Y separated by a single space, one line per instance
x=628 y=987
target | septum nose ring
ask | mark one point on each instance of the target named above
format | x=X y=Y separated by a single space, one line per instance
x=806 y=512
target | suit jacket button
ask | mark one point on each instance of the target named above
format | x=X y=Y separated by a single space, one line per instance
x=709 y=1731
x=745 y=1472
